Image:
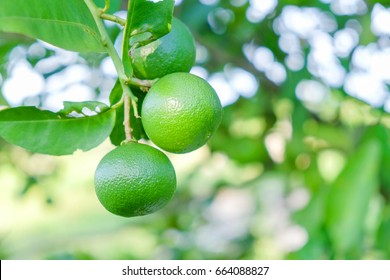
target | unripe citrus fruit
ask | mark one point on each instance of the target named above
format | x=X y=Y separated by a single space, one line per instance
x=181 y=112
x=174 y=52
x=134 y=180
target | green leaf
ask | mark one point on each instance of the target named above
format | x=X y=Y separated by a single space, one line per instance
x=87 y=108
x=3 y=102
x=65 y=24
x=316 y=248
x=118 y=133
x=383 y=234
x=382 y=134
x=313 y=215
x=149 y=20
x=59 y=133
x=349 y=198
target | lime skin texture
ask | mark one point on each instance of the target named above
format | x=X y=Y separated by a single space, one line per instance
x=181 y=112
x=134 y=180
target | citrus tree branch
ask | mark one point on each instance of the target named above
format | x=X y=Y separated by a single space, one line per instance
x=127 y=94
x=126 y=122
x=141 y=83
x=128 y=68
x=113 y=18
x=110 y=48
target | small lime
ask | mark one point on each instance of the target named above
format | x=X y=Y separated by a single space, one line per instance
x=181 y=112
x=134 y=180
x=174 y=52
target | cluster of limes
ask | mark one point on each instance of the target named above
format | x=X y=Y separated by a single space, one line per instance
x=180 y=112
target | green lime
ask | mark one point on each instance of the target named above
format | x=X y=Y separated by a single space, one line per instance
x=181 y=112
x=174 y=52
x=134 y=180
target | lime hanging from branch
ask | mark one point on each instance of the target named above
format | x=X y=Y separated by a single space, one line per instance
x=174 y=52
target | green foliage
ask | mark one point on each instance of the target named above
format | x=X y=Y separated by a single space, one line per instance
x=382 y=134
x=300 y=157
x=59 y=133
x=146 y=22
x=149 y=20
x=349 y=199
x=55 y=22
x=382 y=238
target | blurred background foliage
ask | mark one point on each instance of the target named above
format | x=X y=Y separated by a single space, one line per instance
x=299 y=168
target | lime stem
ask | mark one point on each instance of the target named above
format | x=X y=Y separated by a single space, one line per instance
x=141 y=83
x=126 y=122
x=113 y=18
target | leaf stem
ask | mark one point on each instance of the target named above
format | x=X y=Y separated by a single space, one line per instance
x=106 y=6
x=113 y=18
x=118 y=104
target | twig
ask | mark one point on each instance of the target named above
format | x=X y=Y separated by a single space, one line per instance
x=110 y=50
x=126 y=122
x=113 y=18
x=141 y=83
